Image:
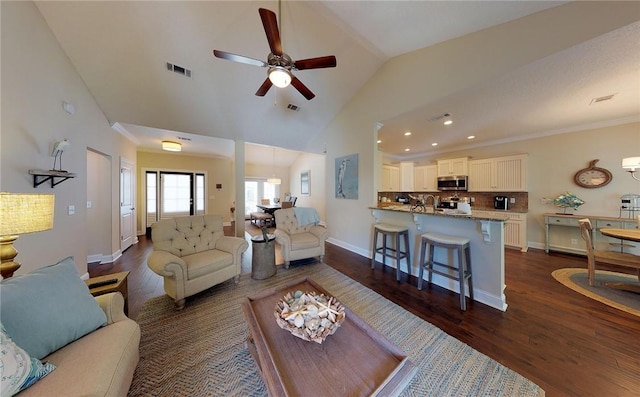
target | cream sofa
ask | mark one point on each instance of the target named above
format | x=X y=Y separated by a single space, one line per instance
x=54 y=333
x=101 y=363
x=193 y=254
x=299 y=240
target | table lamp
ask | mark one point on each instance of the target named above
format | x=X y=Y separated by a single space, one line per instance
x=20 y=214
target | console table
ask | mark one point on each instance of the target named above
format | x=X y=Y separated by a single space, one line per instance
x=566 y=231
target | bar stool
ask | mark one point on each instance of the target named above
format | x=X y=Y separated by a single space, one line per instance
x=463 y=268
x=395 y=232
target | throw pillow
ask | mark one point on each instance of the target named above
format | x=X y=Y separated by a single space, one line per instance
x=48 y=308
x=17 y=369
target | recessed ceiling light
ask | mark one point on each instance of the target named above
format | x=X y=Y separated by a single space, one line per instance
x=434 y=144
x=471 y=136
x=407 y=150
x=448 y=122
x=407 y=133
x=379 y=141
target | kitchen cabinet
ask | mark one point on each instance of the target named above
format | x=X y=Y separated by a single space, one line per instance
x=456 y=166
x=406 y=177
x=563 y=234
x=515 y=228
x=390 y=179
x=500 y=174
x=425 y=178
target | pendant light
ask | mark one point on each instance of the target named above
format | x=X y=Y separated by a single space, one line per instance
x=273 y=180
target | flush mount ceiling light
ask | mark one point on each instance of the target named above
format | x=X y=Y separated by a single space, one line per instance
x=171 y=146
x=407 y=133
x=280 y=76
x=448 y=120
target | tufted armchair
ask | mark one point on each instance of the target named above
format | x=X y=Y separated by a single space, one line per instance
x=193 y=254
x=299 y=240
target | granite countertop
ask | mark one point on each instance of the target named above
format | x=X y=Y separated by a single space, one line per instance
x=445 y=212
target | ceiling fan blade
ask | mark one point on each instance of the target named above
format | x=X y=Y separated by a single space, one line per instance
x=262 y=91
x=316 y=63
x=302 y=88
x=238 y=58
x=270 y=24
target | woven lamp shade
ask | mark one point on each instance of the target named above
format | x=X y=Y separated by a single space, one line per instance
x=25 y=213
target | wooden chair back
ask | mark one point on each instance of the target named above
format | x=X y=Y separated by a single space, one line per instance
x=265 y=201
x=286 y=204
x=608 y=257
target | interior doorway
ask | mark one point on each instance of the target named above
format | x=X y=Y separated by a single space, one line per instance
x=99 y=220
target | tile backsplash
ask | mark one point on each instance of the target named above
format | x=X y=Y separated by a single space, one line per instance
x=481 y=200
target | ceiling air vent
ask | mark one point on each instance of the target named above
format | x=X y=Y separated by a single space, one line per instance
x=178 y=69
x=601 y=99
x=293 y=107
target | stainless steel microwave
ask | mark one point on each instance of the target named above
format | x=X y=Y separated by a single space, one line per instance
x=452 y=183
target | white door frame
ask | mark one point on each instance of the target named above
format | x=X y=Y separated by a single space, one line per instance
x=128 y=234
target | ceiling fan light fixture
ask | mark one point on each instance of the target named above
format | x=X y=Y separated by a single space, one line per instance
x=171 y=146
x=279 y=76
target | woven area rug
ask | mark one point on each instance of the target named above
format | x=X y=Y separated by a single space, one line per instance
x=200 y=351
x=577 y=279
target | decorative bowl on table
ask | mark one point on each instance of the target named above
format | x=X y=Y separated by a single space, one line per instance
x=309 y=315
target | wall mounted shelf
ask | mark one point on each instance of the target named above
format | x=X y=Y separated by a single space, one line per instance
x=56 y=177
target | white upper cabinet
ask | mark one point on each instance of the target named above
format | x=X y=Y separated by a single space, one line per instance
x=500 y=174
x=406 y=177
x=390 y=179
x=425 y=178
x=457 y=166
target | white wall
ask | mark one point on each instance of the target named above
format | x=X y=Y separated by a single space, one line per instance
x=37 y=77
x=315 y=164
x=418 y=78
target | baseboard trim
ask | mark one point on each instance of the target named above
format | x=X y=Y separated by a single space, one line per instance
x=102 y=259
x=349 y=247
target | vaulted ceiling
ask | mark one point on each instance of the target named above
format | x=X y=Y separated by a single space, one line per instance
x=121 y=50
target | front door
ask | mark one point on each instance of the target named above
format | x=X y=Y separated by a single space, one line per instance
x=127 y=208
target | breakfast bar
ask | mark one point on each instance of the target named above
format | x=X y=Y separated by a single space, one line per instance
x=486 y=235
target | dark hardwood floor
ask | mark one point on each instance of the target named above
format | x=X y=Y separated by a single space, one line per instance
x=566 y=343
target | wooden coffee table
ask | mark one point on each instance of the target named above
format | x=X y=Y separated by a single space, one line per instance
x=118 y=286
x=355 y=361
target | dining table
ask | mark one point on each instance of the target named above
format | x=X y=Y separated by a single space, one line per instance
x=627 y=235
x=269 y=208
x=623 y=234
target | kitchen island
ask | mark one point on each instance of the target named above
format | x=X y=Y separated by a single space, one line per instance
x=486 y=235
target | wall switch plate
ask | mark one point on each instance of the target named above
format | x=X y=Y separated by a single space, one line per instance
x=473 y=199
x=574 y=241
x=89 y=204
x=72 y=209
x=512 y=200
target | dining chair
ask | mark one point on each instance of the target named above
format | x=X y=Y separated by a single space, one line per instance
x=286 y=204
x=265 y=201
x=608 y=257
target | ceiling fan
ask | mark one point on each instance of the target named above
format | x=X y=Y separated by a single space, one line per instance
x=279 y=63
